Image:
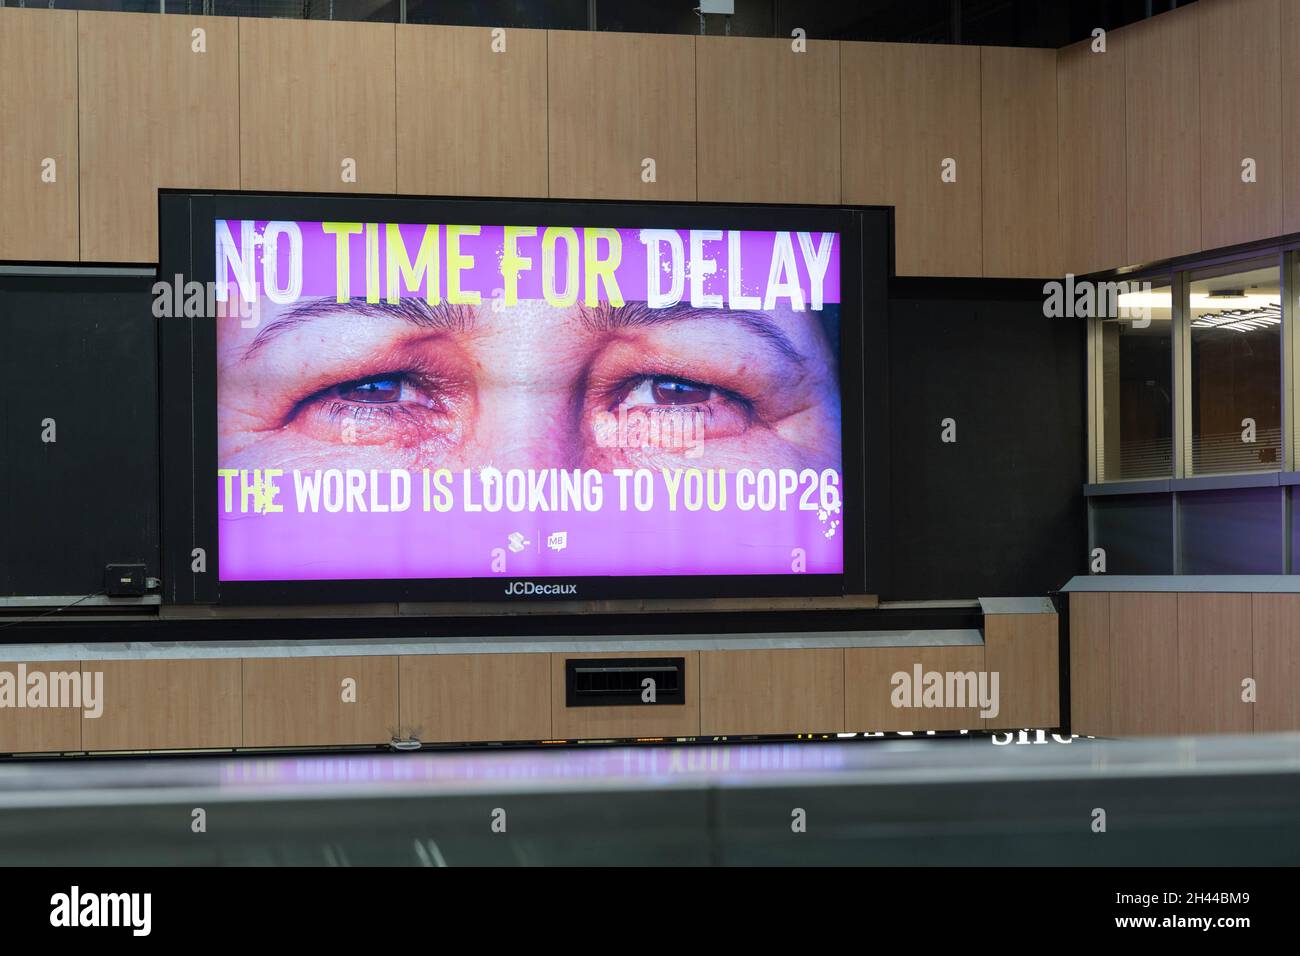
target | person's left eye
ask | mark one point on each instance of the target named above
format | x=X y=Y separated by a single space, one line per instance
x=379 y=390
x=405 y=408
x=386 y=389
x=662 y=390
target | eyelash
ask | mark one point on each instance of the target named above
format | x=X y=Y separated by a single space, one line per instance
x=337 y=409
x=625 y=387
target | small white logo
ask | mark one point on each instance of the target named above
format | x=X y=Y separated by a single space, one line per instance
x=558 y=540
x=518 y=542
x=528 y=587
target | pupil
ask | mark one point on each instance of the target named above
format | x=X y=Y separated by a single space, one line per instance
x=672 y=391
x=375 y=391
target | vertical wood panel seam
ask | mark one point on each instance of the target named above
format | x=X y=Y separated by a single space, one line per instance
x=239 y=68
x=239 y=106
x=76 y=51
x=397 y=186
x=550 y=186
x=979 y=82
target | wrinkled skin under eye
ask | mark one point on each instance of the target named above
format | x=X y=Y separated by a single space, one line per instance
x=653 y=414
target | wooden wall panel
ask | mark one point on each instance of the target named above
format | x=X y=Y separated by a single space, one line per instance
x=869 y=688
x=1241 y=114
x=1024 y=651
x=457 y=698
x=1275 y=632
x=1289 y=33
x=1144 y=664
x=39 y=729
x=166 y=705
x=1163 y=135
x=1021 y=217
x=771 y=692
x=1091 y=152
x=299 y=701
x=905 y=110
x=38 y=121
x=646 y=720
x=470 y=121
x=1214 y=656
x=768 y=121
x=615 y=100
x=312 y=94
x=1090 y=661
x=153 y=113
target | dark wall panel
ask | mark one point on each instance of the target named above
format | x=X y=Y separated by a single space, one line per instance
x=80 y=351
x=1135 y=531
x=1000 y=510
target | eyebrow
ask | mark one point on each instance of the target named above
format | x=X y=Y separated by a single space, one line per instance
x=443 y=317
x=459 y=318
x=610 y=318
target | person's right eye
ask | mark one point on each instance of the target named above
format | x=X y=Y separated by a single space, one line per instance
x=386 y=389
x=397 y=408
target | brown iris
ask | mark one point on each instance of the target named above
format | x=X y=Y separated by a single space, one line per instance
x=375 y=391
x=676 y=391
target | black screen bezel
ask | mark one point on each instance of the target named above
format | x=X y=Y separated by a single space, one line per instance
x=187 y=355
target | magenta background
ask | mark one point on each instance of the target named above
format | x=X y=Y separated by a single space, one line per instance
x=318 y=253
x=289 y=546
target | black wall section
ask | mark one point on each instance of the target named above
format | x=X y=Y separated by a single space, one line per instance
x=1001 y=510
x=80 y=351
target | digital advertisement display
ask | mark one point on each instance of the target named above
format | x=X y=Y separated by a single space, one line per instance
x=399 y=401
